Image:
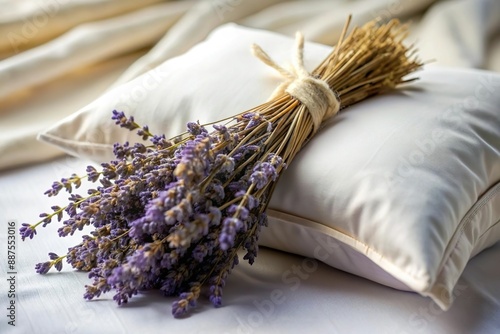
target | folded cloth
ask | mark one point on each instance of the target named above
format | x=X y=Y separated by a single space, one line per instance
x=459 y=33
x=26 y=23
x=193 y=28
x=88 y=44
x=453 y=33
x=21 y=121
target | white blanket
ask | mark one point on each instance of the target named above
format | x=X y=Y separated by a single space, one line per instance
x=280 y=293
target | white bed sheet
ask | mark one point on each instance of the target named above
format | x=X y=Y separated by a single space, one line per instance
x=280 y=293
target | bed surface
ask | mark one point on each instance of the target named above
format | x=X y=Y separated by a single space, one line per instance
x=280 y=293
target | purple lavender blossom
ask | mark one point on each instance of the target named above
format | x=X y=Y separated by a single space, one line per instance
x=43 y=267
x=144 y=132
x=26 y=231
x=56 y=187
x=262 y=174
x=167 y=216
x=179 y=308
x=124 y=122
x=216 y=300
x=160 y=141
x=194 y=128
x=92 y=174
x=230 y=226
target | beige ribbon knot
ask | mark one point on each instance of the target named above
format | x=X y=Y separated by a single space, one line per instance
x=321 y=102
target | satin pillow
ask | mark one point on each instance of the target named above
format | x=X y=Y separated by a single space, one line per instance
x=402 y=189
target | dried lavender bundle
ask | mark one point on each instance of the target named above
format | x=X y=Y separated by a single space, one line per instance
x=173 y=214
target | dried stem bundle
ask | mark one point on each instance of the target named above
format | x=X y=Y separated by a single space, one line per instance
x=173 y=215
x=371 y=60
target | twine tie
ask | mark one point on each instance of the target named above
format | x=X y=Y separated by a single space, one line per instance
x=315 y=94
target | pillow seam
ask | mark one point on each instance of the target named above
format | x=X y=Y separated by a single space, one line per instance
x=411 y=280
x=313 y=225
x=491 y=193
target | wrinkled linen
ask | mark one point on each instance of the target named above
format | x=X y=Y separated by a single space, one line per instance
x=26 y=23
x=280 y=293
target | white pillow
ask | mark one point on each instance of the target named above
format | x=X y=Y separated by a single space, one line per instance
x=402 y=189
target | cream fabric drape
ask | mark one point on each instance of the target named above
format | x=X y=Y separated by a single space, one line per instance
x=25 y=23
x=54 y=47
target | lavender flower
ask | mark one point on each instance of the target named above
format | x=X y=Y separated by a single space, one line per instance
x=230 y=227
x=262 y=174
x=125 y=122
x=186 y=301
x=27 y=231
x=44 y=267
x=168 y=216
x=173 y=214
